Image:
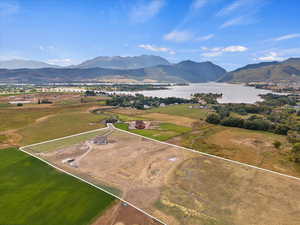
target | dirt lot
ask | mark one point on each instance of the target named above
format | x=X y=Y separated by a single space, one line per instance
x=123 y=214
x=183 y=187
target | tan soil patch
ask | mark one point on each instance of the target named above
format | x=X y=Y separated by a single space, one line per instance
x=123 y=214
x=128 y=111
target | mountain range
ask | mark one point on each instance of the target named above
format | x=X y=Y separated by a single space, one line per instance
x=285 y=71
x=146 y=68
x=126 y=62
x=22 y=63
x=129 y=69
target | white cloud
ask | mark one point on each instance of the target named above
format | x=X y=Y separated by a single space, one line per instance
x=287 y=37
x=278 y=54
x=179 y=36
x=212 y=54
x=145 y=11
x=7 y=9
x=183 y=36
x=46 y=48
x=236 y=21
x=244 y=12
x=235 y=48
x=233 y=7
x=61 y=62
x=197 y=4
x=271 y=56
x=157 y=49
x=205 y=38
x=217 y=51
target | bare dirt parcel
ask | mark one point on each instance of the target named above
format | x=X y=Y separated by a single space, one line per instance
x=176 y=185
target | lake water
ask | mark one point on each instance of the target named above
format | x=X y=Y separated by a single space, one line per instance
x=232 y=93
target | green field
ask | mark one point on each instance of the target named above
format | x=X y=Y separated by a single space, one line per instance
x=33 y=193
x=60 y=125
x=181 y=110
x=163 y=133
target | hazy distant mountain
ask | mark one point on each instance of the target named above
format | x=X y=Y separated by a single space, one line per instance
x=288 y=70
x=128 y=62
x=189 y=71
x=22 y=63
x=186 y=71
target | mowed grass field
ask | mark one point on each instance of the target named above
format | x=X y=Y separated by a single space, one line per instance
x=163 y=133
x=35 y=194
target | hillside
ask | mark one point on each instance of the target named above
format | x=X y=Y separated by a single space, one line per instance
x=285 y=71
x=189 y=71
x=21 y=63
x=127 y=62
x=186 y=71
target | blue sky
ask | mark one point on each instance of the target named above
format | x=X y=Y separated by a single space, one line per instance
x=230 y=33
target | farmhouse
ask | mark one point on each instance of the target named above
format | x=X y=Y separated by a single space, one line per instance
x=139 y=124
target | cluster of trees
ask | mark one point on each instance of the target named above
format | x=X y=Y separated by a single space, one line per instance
x=241 y=109
x=139 y=101
x=208 y=98
x=294 y=138
x=251 y=123
x=125 y=87
x=278 y=100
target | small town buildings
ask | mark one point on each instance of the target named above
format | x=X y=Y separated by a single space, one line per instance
x=19 y=102
x=139 y=124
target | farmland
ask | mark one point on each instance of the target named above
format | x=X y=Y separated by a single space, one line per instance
x=162 y=176
x=161 y=179
x=53 y=197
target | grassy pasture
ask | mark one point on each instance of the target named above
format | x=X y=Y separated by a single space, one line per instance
x=163 y=133
x=17 y=118
x=34 y=193
x=60 y=125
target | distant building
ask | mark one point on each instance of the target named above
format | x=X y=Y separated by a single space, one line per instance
x=139 y=124
x=100 y=140
x=19 y=102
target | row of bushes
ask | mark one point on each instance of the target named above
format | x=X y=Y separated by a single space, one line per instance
x=251 y=124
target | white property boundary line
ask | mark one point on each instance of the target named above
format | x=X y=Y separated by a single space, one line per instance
x=213 y=156
x=81 y=179
x=165 y=143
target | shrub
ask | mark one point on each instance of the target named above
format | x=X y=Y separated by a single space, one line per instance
x=232 y=122
x=277 y=144
x=213 y=118
x=257 y=124
x=296 y=152
x=281 y=129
